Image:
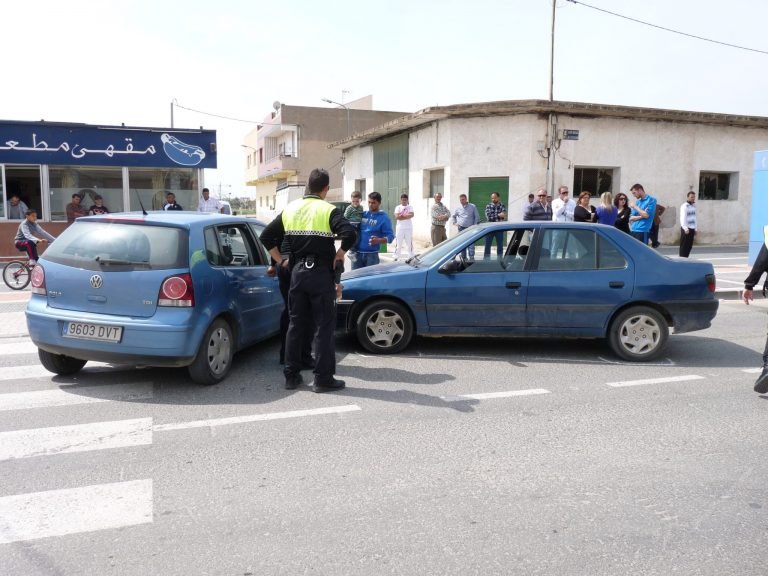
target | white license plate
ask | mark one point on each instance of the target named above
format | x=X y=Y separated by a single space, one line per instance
x=86 y=331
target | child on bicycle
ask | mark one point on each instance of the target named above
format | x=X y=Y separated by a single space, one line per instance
x=29 y=234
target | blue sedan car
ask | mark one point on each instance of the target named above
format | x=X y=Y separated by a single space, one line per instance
x=548 y=279
x=158 y=289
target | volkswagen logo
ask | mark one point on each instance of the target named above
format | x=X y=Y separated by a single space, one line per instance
x=96 y=281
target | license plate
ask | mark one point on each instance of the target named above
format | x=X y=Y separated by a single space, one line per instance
x=86 y=331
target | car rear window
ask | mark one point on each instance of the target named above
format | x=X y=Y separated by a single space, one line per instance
x=93 y=245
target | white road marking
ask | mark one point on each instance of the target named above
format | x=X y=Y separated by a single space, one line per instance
x=493 y=395
x=37 y=371
x=752 y=370
x=254 y=418
x=76 y=438
x=722 y=258
x=665 y=362
x=724 y=281
x=25 y=347
x=655 y=381
x=24 y=372
x=72 y=395
x=75 y=510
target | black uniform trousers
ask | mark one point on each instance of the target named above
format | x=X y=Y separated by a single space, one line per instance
x=311 y=307
x=686 y=242
x=284 y=281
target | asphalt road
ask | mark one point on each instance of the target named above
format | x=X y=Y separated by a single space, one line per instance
x=456 y=457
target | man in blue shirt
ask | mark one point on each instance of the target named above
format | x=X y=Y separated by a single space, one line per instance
x=464 y=216
x=375 y=229
x=643 y=210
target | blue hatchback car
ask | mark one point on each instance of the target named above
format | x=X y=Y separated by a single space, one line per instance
x=158 y=289
x=539 y=279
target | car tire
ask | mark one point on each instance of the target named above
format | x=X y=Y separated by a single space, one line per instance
x=60 y=364
x=384 y=327
x=214 y=357
x=638 y=334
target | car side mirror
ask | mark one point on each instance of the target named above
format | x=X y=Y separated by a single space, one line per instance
x=450 y=267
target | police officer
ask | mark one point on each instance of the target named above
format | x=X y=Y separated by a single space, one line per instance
x=309 y=225
x=760 y=266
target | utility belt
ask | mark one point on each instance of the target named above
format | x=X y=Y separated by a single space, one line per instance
x=311 y=261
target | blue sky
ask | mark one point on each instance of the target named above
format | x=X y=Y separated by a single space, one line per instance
x=111 y=62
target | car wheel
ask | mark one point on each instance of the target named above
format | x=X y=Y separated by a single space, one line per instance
x=60 y=364
x=384 y=327
x=638 y=334
x=214 y=357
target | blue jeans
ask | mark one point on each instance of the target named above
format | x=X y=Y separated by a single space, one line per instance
x=363 y=259
x=499 y=236
x=471 y=248
x=642 y=236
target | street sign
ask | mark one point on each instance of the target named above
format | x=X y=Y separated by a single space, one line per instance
x=570 y=134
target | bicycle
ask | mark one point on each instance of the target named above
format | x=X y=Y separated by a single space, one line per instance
x=17 y=274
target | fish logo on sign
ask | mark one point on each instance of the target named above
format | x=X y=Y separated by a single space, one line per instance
x=180 y=152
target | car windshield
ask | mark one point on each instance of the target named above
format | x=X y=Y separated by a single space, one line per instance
x=94 y=245
x=437 y=253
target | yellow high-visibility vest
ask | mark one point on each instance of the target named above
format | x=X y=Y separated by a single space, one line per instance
x=308 y=216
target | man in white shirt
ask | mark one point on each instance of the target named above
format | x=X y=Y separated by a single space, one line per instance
x=208 y=204
x=687 y=224
x=563 y=206
x=404 y=227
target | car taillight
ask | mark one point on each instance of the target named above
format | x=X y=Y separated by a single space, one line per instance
x=177 y=291
x=38 y=280
x=710 y=278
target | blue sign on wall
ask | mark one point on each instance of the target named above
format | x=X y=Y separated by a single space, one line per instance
x=759 y=214
x=85 y=145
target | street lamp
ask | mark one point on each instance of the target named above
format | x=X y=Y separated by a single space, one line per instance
x=343 y=106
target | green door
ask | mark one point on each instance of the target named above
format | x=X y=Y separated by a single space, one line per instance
x=480 y=190
x=390 y=173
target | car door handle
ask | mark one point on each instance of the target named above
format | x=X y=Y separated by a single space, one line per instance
x=616 y=284
x=513 y=284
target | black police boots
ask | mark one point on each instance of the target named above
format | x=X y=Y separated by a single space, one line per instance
x=294 y=381
x=761 y=385
x=328 y=386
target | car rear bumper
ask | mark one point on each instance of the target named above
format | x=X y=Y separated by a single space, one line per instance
x=688 y=316
x=145 y=341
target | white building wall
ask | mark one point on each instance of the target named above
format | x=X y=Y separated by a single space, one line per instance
x=665 y=157
x=358 y=165
x=502 y=146
x=428 y=149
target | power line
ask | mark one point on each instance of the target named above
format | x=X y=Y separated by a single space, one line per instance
x=670 y=29
x=226 y=117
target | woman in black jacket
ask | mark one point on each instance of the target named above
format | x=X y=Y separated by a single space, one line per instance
x=583 y=211
x=622 y=205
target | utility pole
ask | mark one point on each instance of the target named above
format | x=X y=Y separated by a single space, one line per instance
x=552 y=56
x=551 y=119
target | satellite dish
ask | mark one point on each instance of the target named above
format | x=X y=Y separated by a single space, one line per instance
x=276 y=105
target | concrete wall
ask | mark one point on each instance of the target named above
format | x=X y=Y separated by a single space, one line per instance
x=665 y=157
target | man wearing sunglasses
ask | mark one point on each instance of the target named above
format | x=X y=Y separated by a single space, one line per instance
x=539 y=209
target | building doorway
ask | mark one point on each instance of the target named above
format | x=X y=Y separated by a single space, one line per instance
x=25 y=182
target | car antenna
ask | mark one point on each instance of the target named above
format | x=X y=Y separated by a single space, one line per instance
x=138 y=196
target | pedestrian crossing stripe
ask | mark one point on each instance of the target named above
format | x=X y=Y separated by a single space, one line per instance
x=75 y=438
x=73 y=395
x=75 y=510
